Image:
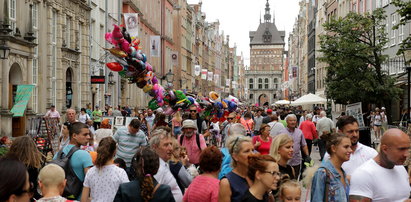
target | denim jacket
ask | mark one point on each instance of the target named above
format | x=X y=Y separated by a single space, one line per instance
x=336 y=189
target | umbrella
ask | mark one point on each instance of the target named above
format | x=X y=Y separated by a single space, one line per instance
x=283 y=102
x=309 y=99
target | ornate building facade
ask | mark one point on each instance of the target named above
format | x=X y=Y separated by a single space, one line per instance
x=263 y=78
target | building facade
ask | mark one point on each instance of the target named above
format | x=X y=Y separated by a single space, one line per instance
x=266 y=60
x=49 y=48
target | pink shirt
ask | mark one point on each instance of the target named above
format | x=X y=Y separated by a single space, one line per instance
x=202 y=188
x=193 y=151
x=264 y=148
x=54 y=114
x=248 y=124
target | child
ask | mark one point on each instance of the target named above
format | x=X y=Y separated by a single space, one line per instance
x=52 y=182
x=290 y=190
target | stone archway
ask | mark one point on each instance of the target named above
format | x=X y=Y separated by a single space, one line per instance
x=15 y=78
x=263 y=99
x=69 y=87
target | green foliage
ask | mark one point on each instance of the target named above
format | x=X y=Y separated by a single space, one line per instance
x=352 y=50
x=3 y=151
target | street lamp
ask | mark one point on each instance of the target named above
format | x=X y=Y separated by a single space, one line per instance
x=110 y=78
x=169 y=76
x=406 y=53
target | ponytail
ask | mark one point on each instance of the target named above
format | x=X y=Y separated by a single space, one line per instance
x=105 y=151
x=146 y=163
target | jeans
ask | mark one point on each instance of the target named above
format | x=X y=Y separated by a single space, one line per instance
x=321 y=147
x=309 y=145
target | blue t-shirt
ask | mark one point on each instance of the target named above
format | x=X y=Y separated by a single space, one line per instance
x=81 y=159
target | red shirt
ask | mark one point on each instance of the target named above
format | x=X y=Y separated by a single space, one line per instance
x=309 y=130
x=203 y=188
x=264 y=148
x=193 y=151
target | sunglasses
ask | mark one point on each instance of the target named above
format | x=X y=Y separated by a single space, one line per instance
x=193 y=110
x=230 y=118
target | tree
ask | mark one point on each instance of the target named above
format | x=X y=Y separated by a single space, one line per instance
x=352 y=49
x=404 y=10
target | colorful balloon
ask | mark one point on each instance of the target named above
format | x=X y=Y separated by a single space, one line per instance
x=114 y=66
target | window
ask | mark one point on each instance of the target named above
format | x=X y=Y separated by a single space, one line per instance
x=393 y=31
x=274 y=96
x=400 y=33
x=68 y=32
x=35 y=13
x=260 y=83
x=266 y=83
x=251 y=83
x=275 y=80
x=251 y=96
x=12 y=14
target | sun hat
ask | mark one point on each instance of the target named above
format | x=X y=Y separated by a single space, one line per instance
x=189 y=124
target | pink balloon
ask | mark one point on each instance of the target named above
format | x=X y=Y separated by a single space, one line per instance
x=156 y=87
x=149 y=67
x=117 y=35
x=168 y=111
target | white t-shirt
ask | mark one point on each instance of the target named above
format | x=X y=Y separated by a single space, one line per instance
x=361 y=155
x=380 y=184
x=83 y=118
x=275 y=128
x=104 y=182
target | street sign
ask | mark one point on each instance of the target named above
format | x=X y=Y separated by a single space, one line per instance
x=98 y=79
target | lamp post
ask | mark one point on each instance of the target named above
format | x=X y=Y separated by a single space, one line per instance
x=169 y=76
x=407 y=58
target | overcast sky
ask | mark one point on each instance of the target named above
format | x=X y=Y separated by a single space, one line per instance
x=238 y=17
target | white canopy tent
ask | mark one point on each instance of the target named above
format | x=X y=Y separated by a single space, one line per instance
x=309 y=99
x=283 y=102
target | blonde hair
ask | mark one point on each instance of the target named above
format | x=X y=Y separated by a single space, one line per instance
x=288 y=184
x=279 y=141
x=177 y=116
x=52 y=175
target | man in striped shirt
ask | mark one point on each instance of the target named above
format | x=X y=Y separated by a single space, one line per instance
x=129 y=139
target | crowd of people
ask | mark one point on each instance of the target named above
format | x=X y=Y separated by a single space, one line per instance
x=251 y=154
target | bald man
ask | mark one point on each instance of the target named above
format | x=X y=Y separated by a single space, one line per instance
x=384 y=177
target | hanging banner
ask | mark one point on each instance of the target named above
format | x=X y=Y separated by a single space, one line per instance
x=155 y=46
x=216 y=79
x=174 y=58
x=197 y=70
x=131 y=20
x=23 y=95
x=227 y=82
x=204 y=74
x=210 y=76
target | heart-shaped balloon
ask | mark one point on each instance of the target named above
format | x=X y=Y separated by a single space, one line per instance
x=114 y=66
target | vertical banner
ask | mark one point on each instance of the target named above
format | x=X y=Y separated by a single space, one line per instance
x=131 y=20
x=23 y=95
x=174 y=58
x=204 y=74
x=210 y=76
x=155 y=46
x=216 y=78
x=227 y=82
x=197 y=70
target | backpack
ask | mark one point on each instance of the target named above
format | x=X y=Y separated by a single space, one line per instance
x=197 y=140
x=74 y=185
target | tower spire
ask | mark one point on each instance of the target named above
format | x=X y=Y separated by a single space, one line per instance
x=267 y=15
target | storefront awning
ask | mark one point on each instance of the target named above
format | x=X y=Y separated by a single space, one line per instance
x=23 y=95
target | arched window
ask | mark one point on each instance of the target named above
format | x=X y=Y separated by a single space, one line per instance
x=266 y=83
x=251 y=96
x=251 y=83
x=275 y=80
x=260 y=83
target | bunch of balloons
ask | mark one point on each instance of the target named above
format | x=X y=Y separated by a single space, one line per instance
x=131 y=63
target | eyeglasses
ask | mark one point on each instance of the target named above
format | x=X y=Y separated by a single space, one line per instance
x=193 y=110
x=273 y=173
x=230 y=118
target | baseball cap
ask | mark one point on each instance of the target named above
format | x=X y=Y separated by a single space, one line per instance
x=269 y=111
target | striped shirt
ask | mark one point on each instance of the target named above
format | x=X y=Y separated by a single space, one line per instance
x=128 y=143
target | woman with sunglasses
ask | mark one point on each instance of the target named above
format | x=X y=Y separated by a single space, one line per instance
x=264 y=172
x=234 y=184
x=145 y=188
x=14 y=183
